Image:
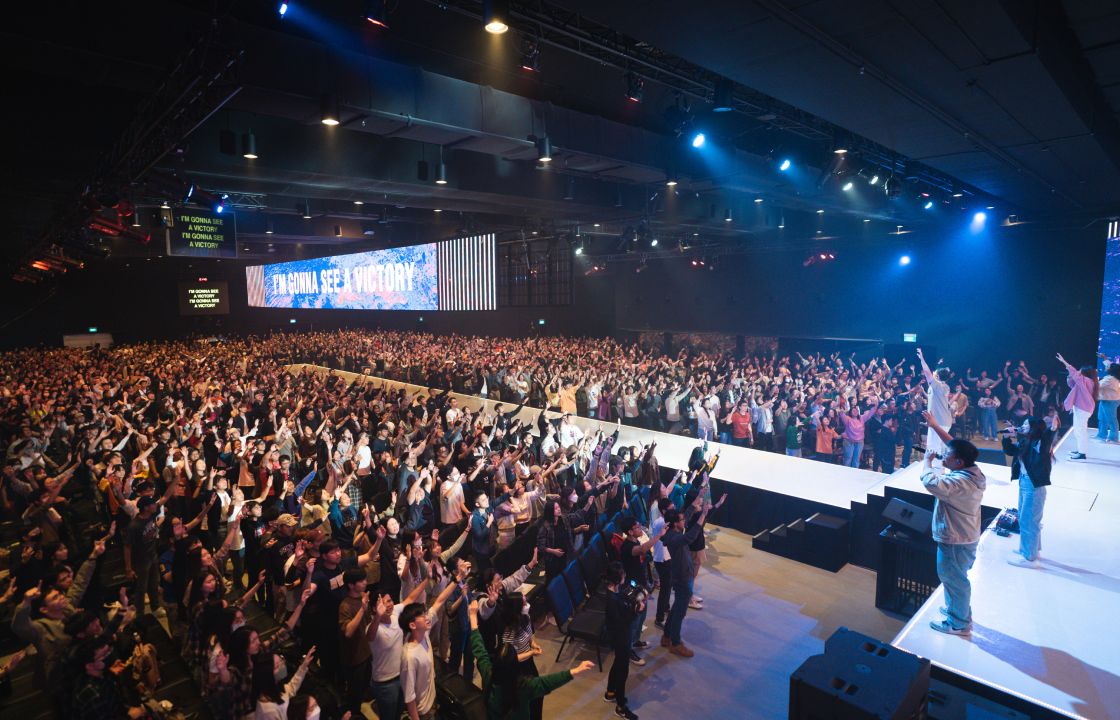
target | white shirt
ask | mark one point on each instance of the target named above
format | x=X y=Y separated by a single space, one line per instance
x=387 y=647
x=938 y=402
x=417 y=676
x=364 y=456
x=570 y=434
x=451 y=506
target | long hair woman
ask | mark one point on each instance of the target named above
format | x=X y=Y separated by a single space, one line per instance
x=1031 y=448
x=1081 y=401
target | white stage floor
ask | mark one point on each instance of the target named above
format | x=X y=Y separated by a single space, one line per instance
x=1048 y=635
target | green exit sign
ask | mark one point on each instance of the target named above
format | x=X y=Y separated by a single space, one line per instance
x=93 y=329
x=909 y=337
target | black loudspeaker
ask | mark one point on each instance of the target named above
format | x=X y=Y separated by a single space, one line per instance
x=859 y=678
x=912 y=516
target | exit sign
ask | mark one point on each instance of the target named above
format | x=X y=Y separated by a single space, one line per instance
x=909 y=337
x=93 y=329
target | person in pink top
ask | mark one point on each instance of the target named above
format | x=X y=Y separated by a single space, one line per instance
x=853 y=431
x=1081 y=401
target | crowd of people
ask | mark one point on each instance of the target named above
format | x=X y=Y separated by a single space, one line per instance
x=225 y=479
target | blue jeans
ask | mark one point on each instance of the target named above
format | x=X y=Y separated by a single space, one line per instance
x=704 y=433
x=682 y=593
x=636 y=625
x=989 y=425
x=953 y=564
x=1108 y=428
x=725 y=438
x=907 y=448
x=387 y=697
x=852 y=451
x=740 y=442
x=461 y=655
x=793 y=453
x=1031 y=502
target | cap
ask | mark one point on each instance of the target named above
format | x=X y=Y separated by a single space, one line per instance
x=144 y=502
x=287 y=520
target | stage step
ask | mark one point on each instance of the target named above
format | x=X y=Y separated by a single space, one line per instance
x=821 y=541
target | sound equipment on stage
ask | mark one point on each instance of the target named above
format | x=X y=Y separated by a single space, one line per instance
x=912 y=516
x=859 y=678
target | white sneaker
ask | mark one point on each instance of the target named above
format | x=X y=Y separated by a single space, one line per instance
x=1019 y=561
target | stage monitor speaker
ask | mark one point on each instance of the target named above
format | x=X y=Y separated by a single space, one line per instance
x=859 y=678
x=909 y=515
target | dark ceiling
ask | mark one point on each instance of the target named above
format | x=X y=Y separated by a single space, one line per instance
x=1019 y=99
x=1016 y=102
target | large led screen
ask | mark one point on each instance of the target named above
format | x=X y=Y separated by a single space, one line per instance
x=1110 y=303
x=453 y=275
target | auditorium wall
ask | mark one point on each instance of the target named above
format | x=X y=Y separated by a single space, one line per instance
x=1015 y=293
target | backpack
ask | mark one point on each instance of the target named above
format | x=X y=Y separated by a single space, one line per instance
x=616 y=546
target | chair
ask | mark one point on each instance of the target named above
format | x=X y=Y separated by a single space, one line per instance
x=591 y=566
x=583 y=625
x=599 y=543
x=577 y=590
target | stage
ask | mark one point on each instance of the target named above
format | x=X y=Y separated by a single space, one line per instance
x=1044 y=641
x=1048 y=636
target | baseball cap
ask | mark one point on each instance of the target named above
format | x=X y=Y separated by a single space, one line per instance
x=287 y=519
x=144 y=502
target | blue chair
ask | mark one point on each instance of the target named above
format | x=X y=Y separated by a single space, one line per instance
x=573 y=625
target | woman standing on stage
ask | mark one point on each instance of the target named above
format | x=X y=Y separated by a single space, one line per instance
x=1031 y=446
x=1081 y=401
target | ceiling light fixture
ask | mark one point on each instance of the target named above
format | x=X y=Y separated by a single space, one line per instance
x=874 y=179
x=328 y=109
x=377 y=12
x=268 y=229
x=724 y=96
x=358 y=202
x=784 y=166
x=848 y=186
x=544 y=149
x=727 y=215
x=635 y=86
x=842 y=142
x=495 y=16
x=249 y=145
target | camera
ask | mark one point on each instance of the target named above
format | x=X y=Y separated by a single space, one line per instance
x=633 y=595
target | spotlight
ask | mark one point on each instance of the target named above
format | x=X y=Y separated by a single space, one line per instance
x=848 y=186
x=698 y=141
x=438 y=210
x=904 y=260
x=328 y=107
x=781 y=222
x=727 y=215
x=653 y=242
x=530 y=55
x=495 y=16
x=249 y=145
x=283 y=9
x=874 y=179
x=820 y=212
x=784 y=166
x=268 y=229
x=892 y=187
x=441 y=174
x=208 y=200
x=929 y=204
x=694 y=262
x=724 y=96
x=634 y=87
x=579 y=250
x=671 y=178
x=841 y=143
x=758 y=199
x=338 y=231
x=980 y=217
x=377 y=12
x=977 y=224
x=544 y=149
x=304 y=209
